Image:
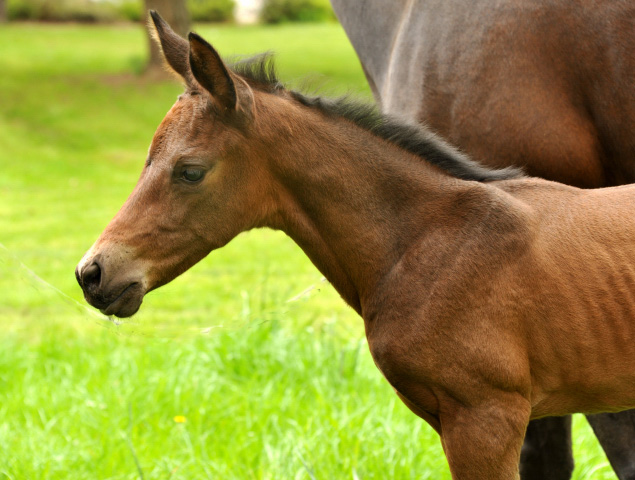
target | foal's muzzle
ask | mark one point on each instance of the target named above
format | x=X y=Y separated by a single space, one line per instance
x=112 y=296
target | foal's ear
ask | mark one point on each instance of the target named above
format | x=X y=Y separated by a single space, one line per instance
x=211 y=73
x=175 y=48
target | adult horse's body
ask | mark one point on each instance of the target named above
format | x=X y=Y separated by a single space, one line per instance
x=547 y=85
x=488 y=299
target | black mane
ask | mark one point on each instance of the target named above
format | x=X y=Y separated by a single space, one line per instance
x=260 y=72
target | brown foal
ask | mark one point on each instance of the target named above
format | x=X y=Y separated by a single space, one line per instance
x=542 y=84
x=488 y=299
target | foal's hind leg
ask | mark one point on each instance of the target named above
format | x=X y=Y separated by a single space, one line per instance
x=483 y=442
x=616 y=433
x=546 y=453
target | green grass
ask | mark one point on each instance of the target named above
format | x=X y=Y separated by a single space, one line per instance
x=275 y=389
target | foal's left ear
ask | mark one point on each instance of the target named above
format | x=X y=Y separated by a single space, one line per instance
x=211 y=73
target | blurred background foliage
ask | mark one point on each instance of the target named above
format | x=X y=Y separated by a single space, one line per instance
x=278 y=11
x=92 y=11
x=211 y=10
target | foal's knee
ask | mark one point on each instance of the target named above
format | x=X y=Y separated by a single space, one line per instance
x=484 y=441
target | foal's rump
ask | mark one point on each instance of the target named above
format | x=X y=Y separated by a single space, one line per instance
x=581 y=275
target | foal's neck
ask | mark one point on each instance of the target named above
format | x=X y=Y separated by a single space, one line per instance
x=355 y=203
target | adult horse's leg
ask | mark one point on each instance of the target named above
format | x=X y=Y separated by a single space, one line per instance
x=483 y=442
x=616 y=433
x=546 y=453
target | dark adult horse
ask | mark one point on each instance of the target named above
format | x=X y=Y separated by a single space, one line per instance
x=548 y=85
x=488 y=299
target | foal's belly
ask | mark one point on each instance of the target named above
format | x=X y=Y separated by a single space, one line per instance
x=586 y=370
x=582 y=341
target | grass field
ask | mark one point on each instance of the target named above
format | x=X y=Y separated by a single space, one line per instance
x=220 y=375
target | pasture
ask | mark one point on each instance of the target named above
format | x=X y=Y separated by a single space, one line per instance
x=245 y=367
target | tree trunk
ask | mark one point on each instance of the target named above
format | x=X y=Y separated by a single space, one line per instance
x=3 y=11
x=176 y=14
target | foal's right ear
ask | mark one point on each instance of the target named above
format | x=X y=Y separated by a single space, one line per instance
x=175 y=48
x=211 y=73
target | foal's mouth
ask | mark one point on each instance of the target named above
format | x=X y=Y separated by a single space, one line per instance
x=127 y=302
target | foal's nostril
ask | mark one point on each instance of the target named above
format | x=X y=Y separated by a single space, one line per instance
x=90 y=278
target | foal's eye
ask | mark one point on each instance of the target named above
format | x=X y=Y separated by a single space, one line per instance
x=192 y=174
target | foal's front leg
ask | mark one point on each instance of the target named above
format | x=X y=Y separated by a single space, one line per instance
x=483 y=441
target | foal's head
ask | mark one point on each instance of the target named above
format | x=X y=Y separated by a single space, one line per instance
x=199 y=188
x=215 y=165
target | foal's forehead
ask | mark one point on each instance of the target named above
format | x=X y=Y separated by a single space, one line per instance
x=177 y=125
